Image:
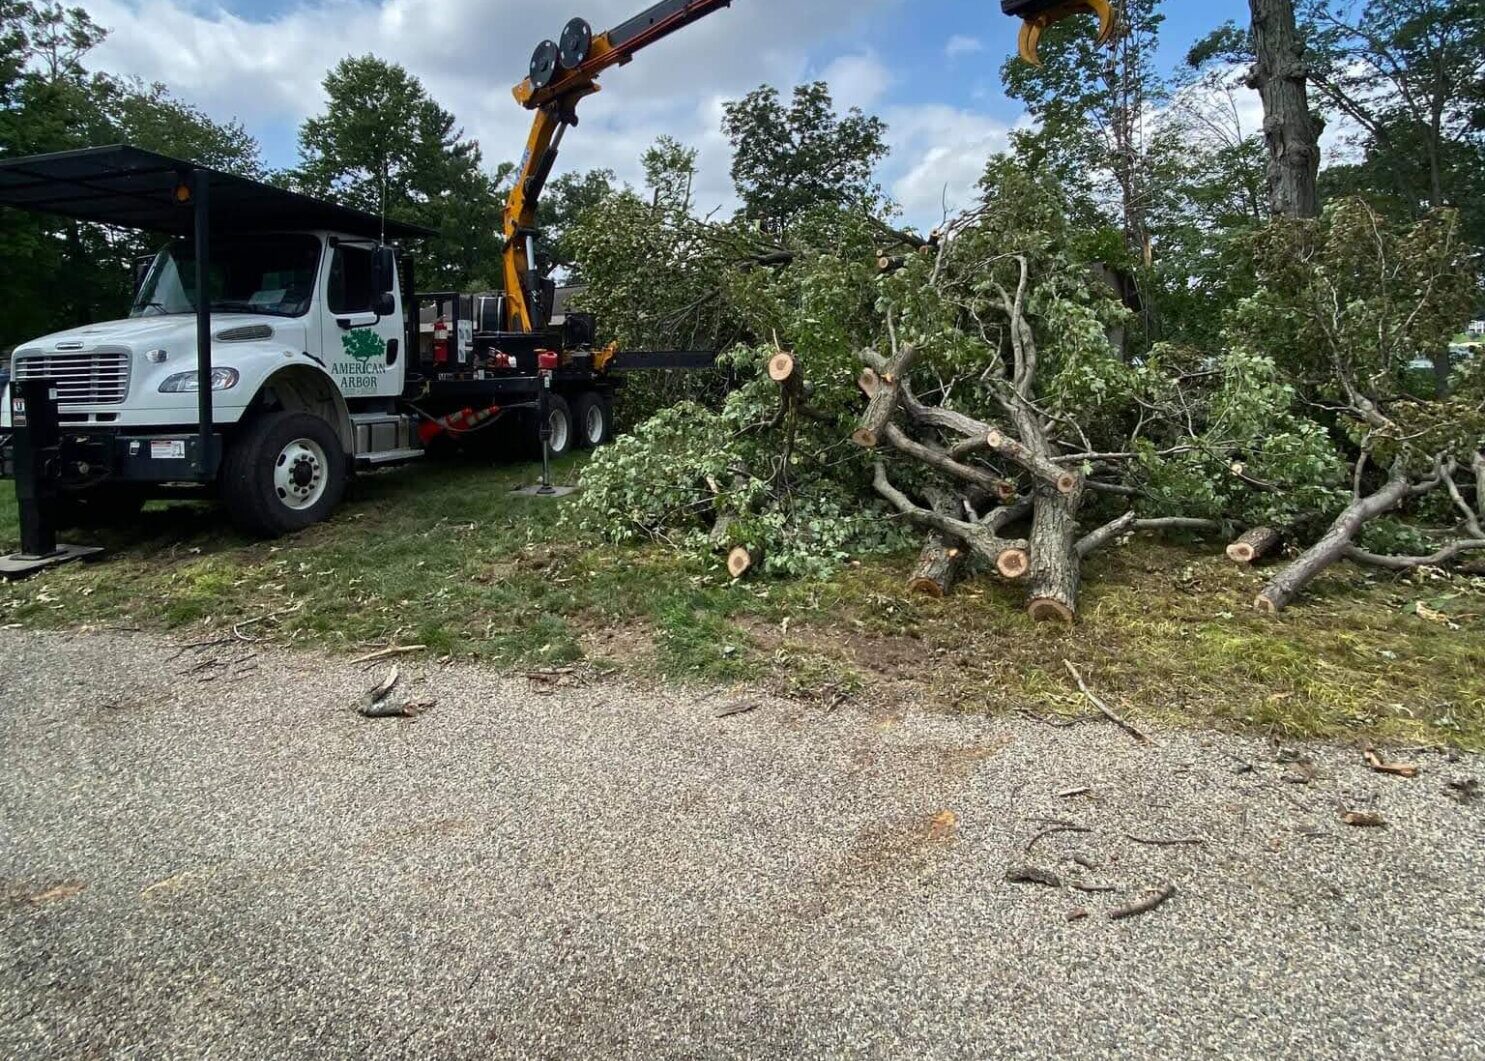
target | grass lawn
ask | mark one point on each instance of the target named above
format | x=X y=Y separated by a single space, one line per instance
x=442 y=555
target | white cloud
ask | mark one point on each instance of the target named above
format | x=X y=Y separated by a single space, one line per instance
x=857 y=80
x=469 y=53
x=960 y=45
x=938 y=155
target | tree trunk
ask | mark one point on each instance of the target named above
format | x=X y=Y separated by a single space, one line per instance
x=942 y=560
x=1290 y=128
x=1290 y=582
x=883 y=404
x=1255 y=545
x=1056 y=568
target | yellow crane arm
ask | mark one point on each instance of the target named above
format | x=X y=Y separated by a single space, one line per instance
x=563 y=73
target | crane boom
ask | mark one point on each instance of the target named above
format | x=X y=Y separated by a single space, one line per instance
x=562 y=75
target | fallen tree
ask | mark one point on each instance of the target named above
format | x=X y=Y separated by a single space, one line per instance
x=966 y=396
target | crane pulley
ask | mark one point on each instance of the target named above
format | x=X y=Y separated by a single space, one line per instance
x=1037 y=15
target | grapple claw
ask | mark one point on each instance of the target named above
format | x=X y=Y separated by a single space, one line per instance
x=1037 y=15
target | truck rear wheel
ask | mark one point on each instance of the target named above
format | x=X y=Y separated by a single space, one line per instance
x=286 y=472
x=594 y=417
x=564 y=434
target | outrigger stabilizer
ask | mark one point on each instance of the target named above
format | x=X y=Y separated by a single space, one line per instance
x=1037 y=15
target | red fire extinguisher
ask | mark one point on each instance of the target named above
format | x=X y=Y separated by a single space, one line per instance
x=440 y=342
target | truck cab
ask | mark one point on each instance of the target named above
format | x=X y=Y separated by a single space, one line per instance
x=305 y=326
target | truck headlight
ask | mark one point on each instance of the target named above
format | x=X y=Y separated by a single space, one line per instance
x=183 y=382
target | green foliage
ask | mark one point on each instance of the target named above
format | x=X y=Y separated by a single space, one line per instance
x=58 y=273
x=789 y=158
x=383 y=144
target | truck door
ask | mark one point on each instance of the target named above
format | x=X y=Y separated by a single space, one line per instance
x=363 y=351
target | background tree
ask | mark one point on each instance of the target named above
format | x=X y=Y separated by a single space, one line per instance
x=788 y=158
x=1091 y=106
x=383 y=144
x=59 y=272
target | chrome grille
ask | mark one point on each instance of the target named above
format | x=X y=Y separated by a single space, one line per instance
x=93 y=377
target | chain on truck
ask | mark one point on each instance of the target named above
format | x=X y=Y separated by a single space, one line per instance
x=278 y=343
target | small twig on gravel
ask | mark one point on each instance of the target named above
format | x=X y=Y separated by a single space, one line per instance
x=387 y=653
x=1381 y=766
x=1033 y=875
x=1069 y=793
x=742 y=707
x=238 y=628
x=1155 y=841
x=1145 y=905
x=1053 y=830
x=1080 y=886
x=1104 y=708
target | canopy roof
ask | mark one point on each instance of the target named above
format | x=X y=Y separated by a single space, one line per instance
x=132 y=188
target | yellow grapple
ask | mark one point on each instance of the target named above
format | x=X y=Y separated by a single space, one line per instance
x=1037 y=15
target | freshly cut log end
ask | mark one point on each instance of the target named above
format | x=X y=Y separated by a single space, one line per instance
x=1068 y=482
x=1266 y=605
x=869 y=382
x=742 y=560
x=1013 y=563
x=1256 y=544
x=781 y=367
x=928 y=587
x=1006 y=491
x=865 y=438
x=1047 y=610
x=996 y=440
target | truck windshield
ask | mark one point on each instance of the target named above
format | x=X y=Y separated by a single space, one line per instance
x=258 y=274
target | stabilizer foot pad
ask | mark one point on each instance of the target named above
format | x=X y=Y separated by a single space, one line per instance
x=545 y=491
x=19 y=565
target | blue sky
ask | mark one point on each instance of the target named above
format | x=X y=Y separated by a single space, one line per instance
x=261 y=61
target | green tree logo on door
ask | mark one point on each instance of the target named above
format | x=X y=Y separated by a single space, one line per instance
x=363 y=345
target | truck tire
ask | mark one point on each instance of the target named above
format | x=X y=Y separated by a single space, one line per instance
x=286 y=472
x=593 y=415
x=564 y=433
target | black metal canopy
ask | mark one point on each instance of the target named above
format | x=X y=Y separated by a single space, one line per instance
x=132 y=188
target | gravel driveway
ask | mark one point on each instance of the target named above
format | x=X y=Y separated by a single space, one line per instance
x=222 y=859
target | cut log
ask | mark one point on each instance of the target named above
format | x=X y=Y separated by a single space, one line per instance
x=1255 y=545
x=1064 y=480
x=869 y=382
x=941 y=560
x=781 y=366
x=1290 y=582
x=938 y=567
x=1010 y=558
x=890 y=263
x=883 y=404
x=941 y=461
x=1055 y=573
x=742 y=560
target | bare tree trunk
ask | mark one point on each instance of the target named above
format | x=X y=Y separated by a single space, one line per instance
x=1290 y=582
x=1255 y=545
x=1056 y=566
x=1291 y=129
x=942 y=561
x=1479 y=468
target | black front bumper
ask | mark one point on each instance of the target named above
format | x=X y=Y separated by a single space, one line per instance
x=87 y=458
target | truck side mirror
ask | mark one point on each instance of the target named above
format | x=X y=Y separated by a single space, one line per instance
x=384 y=281
x=142 y=270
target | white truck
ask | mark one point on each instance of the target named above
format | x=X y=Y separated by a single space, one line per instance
x=276 y=343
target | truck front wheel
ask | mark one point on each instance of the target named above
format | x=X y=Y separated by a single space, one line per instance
x=286 y=472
